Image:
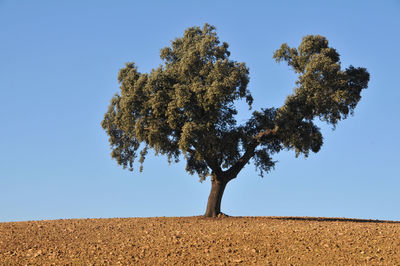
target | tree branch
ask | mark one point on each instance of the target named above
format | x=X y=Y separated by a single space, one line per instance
x=266 y=133
x=232 y=172
x=213 y=165
x=215 y=168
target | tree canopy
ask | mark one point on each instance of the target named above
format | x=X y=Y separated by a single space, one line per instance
x=186 y=106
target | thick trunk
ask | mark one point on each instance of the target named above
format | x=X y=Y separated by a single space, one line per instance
x=215 y=197
x=220 y=178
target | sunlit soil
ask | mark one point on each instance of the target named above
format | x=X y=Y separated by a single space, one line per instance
x=198 y=240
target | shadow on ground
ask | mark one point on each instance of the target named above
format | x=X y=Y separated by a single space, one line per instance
x=327 y=219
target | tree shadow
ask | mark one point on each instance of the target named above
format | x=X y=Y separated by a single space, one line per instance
x=334 y=219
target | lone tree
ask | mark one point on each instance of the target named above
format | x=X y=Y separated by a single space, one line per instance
x=186 y=106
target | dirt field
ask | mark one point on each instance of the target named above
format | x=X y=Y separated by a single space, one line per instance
x=197 y=240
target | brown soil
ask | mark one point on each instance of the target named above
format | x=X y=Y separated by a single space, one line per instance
x=198 y=240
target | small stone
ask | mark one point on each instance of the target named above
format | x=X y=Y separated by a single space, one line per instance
x=38 y=253
x=227 y=250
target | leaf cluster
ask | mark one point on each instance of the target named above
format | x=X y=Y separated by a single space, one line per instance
x=186 y=105
x=323 y=90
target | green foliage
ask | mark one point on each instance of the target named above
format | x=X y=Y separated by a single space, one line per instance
x=323 y=90
x=186 y=106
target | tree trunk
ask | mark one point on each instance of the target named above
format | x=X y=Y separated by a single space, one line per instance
x=215 y=197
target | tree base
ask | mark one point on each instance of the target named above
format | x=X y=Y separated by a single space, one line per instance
x=219 y=215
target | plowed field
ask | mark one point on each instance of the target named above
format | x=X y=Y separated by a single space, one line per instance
x=198 y=240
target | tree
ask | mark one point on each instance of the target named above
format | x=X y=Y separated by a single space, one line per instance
x=186 y=107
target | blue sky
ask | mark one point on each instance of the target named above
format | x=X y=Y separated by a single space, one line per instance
x=58 y=66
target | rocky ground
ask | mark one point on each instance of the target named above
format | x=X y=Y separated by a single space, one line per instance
x=198 y=240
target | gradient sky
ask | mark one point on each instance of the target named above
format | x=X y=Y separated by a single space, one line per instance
x=58 y=70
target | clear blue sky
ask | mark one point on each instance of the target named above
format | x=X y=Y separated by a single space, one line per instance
x=58 y=66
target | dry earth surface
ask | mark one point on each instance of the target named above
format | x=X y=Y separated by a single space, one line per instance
x=198 y=240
